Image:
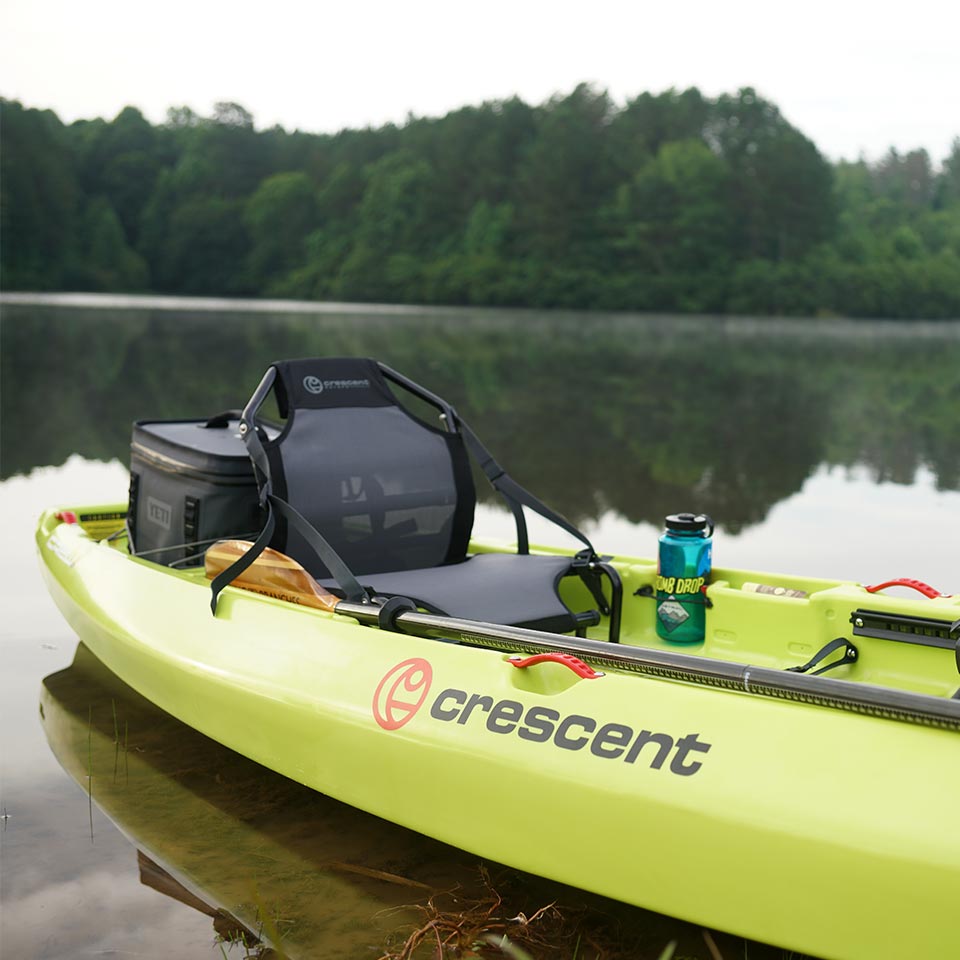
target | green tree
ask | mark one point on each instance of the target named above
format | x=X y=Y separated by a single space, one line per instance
x=650 y=121
x=108 y=263
x=392 y=224
x=120 y=161
x=279 y=216
x=565 y=178
x=780 y=184
x=484 y=270
x=672 y=224
x=39 y=213
x=907 y=181
x=205 y=248
x=948 y=182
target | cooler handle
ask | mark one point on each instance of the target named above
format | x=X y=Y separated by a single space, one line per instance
x=222 y=420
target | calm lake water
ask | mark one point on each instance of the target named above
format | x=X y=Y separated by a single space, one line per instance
x=820 y=447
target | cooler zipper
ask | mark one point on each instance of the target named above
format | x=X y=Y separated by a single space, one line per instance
x=180 y=468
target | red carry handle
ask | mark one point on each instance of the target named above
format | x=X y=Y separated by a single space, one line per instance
x=575 y=664
x=917 y=585
x=66 y=516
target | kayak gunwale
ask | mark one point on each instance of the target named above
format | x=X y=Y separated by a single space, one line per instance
x=716 y=660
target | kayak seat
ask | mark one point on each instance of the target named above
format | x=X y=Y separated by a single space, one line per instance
x=524 y=587
x=374 y=499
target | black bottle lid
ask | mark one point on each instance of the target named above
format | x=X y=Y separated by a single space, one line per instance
x=689 y=521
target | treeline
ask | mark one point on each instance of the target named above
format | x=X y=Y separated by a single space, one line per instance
x=674 y=202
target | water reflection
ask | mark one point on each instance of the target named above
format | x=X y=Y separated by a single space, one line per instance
x=597 y=414
x=271 y=861
x=257 y=846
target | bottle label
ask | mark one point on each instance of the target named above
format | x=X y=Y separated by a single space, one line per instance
x=691 y=585
x=671 y=614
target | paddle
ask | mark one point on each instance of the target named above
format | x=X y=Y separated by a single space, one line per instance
x=272 y=573
x=277 y=575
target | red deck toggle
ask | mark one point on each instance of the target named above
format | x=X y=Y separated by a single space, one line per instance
x=575 y=664
x=917 y=585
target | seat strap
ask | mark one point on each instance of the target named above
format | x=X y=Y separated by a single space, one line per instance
x=334 y=562
x=515 y=495
x=226 y=577
x=340 y=572
x=955 y=632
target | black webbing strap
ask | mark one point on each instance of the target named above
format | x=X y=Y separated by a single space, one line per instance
x=850 y=654
x=332 y=560
x=955 y=632
x=515 y=495
x=340 y=572
x=523 y=540
x=225 y=577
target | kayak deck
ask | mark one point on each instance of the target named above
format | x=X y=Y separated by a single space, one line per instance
x=915 y=653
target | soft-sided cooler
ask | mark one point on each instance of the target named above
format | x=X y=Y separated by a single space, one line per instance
x=191 y=482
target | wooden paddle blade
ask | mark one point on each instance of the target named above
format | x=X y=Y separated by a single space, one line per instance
x=272 y=573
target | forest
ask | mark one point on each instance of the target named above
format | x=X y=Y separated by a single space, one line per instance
x=674 y=202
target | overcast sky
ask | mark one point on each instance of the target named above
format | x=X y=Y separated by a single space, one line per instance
x=855 y=77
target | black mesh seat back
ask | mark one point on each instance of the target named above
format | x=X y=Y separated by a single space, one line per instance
x=388 y=490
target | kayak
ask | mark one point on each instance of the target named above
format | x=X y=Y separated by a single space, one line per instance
x=712 y=781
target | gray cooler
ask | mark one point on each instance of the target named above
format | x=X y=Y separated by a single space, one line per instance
x=191 y=483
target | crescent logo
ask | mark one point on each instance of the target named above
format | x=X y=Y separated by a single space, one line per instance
x=400 y=694
x=313 y=384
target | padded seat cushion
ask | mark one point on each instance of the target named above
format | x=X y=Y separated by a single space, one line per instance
x=514 y=589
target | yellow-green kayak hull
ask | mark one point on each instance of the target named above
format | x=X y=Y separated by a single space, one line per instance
x=816 y=829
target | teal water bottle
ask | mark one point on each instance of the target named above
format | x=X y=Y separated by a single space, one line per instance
x=683 y=569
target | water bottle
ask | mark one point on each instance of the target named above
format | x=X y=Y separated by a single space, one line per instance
x=682 y=571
